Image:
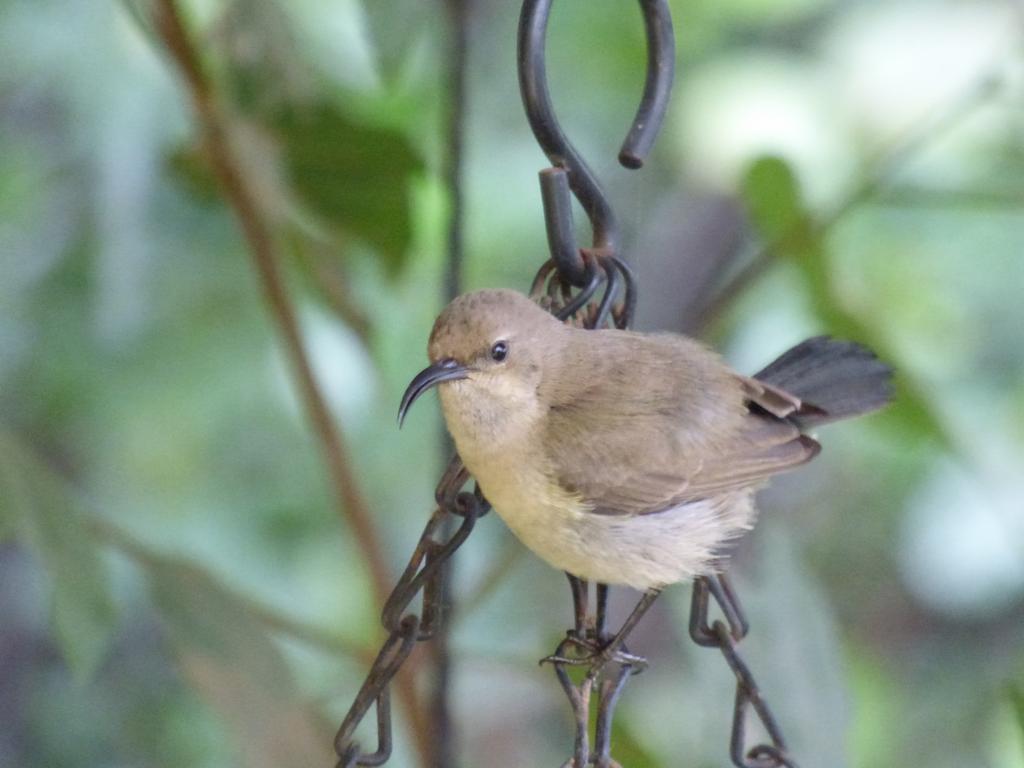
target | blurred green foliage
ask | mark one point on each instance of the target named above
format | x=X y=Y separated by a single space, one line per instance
x=176 y=588
x=41 y=514
x=325 y=146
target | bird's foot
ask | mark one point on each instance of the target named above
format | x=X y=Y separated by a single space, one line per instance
x=586 y=647
x=594 y=654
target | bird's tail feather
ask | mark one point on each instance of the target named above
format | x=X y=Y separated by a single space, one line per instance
x=840 y=379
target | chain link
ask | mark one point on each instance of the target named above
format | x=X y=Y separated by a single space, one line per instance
x=422 y=574
x=726 y=635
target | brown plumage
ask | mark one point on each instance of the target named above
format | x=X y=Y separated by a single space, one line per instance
x=626 y=457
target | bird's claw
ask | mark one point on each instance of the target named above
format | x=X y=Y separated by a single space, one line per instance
x=596 y=656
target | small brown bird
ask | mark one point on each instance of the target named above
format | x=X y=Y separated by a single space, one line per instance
x=627 y=458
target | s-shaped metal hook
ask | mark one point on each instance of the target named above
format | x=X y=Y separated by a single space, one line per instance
x=582 y=267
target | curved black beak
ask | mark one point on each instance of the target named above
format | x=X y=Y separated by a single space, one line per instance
x=443 y=370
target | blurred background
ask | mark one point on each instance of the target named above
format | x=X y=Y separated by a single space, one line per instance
x=181 y=580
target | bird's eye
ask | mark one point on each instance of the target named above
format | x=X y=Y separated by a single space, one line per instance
x=499 y=351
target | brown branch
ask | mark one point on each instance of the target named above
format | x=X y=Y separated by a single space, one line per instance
x=260 y=239
x=443 y=754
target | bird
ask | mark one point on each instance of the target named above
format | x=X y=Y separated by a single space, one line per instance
x=628 y=458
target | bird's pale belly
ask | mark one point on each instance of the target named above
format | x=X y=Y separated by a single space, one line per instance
x=640 y=551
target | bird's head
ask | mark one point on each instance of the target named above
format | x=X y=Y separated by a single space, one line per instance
x=487 y=353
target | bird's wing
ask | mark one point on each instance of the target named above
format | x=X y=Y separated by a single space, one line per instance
x=650 y=457
x=768 y=446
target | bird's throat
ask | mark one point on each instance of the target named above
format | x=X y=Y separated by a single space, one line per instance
x=488 y=423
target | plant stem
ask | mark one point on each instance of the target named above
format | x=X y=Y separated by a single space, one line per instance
x=444 y=751
x=262 y=247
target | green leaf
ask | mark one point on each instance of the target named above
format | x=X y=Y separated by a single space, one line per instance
x=264 y=64
x=230 y=661
x=1016 y=696
x=878 y=701
x=82 y=612
x=6 y=519
x=396 y=29
x=205 y=617
x=13 y=493
x=273 y=729
x=774 y=202
x=626 y=747
x=354 y=177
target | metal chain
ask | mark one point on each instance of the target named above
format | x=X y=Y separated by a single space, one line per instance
x=725 y=635
x=424 y=573
x=568 y=285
